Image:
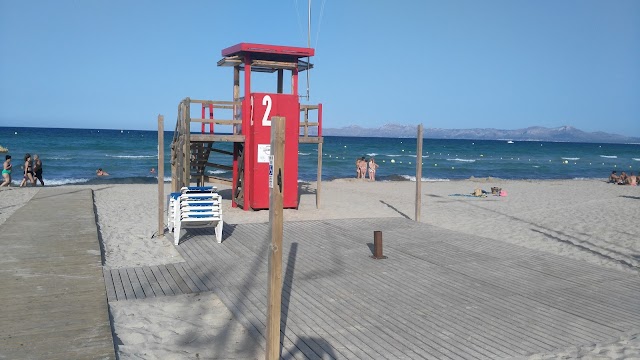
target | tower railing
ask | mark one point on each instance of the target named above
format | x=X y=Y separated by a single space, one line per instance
x=190 y=150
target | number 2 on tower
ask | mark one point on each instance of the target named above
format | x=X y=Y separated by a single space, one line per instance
x=266 y=100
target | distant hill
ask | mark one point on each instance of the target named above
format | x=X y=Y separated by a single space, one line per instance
x=534 y=133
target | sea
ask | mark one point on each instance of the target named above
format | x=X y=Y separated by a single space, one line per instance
x=72 y=156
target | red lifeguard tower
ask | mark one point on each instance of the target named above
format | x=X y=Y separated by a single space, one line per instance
x=250 y=128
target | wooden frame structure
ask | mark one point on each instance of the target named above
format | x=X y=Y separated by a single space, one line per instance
x=190 y=151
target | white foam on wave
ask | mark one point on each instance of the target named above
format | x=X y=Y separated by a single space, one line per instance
x=572 y=158
x=462 y=160
x=133 y=156
x=413 y=178
x=393 y=155
x=372 y=154
x=60 y=158
x=609 y=156
x=65 y=181
x=301 y=153
x=217 y=171
x=636 y=159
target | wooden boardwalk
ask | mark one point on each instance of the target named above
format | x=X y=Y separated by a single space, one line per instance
x=52 y=293
x=440 y=294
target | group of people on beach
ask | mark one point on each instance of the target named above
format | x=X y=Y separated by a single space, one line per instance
x=361 y=168
x=623 y=178
x=31 y=171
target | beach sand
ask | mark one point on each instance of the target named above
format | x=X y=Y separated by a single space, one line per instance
x=588 y=220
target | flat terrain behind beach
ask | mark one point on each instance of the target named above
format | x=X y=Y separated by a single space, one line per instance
x=588 y=220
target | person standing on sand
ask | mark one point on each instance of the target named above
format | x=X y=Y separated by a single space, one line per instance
x=28 y=172
x=358 y=168
x=363 y=168
x=372 y=169
x=37 y=170
x=6 y=171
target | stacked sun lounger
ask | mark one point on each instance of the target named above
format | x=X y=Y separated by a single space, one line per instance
x=195 y=206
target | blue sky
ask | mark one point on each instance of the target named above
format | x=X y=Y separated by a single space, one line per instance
x=447 y=64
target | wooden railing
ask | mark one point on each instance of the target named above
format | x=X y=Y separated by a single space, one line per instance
x=182 y=159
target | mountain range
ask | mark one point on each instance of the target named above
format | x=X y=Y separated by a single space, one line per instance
x=533 y=133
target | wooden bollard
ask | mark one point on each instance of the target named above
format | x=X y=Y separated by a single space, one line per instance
x=377 y=245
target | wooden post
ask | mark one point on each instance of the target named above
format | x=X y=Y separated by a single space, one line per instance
x=186 y=175
x=160 y=173
x=280 y=80
x=236 y=98
x=419 y=174
x=274 y=287
x=319 y=179
x=377 y=246
x=321 y=140
x=180 y=149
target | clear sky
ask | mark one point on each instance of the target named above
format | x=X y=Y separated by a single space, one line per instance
x=447 y=64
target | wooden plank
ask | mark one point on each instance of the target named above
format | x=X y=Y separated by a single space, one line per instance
x=54 y=307
x=381 y=285
x=190 y=277
x=373 y=303
x=117 y=284
x=310 y=140
x=259 y=308
x=297 y=235
x=154 y=282
x=144 y=282
x=216 y=138
x=418 y=204
x=184 y=287
x=333 y=320
x=483 y=299
x=308 y=124
x=409 y=280
x=160 y=175
x=274 y=284
x=440 y=294
x=167 y=288
x=319 y=176
x=221 y=151
x=126 y=284
x=235 y=305
x=299 y=326
x=197 y=265
x=219 y=166
x=216 y=103
x=108 y=282
x=324 y=315
x=217 y=121
x=135 y=283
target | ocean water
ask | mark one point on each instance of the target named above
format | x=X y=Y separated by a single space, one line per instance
x=71 y=156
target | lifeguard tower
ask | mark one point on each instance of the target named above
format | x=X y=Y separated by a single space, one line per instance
x=246 y=141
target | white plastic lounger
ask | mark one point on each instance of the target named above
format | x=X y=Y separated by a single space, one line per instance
x=197 y=206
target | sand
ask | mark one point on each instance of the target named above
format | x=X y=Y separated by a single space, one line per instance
x=588 y=220
x=13 y=198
